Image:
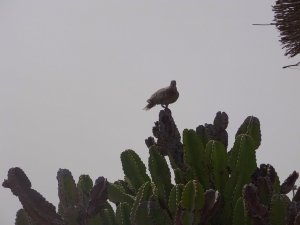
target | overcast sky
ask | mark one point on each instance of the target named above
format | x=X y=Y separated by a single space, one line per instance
x=75 y=75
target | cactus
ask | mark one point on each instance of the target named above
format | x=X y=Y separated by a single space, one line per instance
x=242 y=163
x=255 y=210
x=192 y=201
x=211 y=186
x=279 y=205
x=134 y=169
x=289 y=183
x=84 y=187
x=146 y=208
x=123 y=214
x=265 y=204
x=251 y=126
x=79 y=204
x=219 y=161
x=168 y=138
x=194 y=156
x=239 y=213
x=117 y=194
x=22 y=218
x=160 y=174
x=98 y=197
x=68 y=196
x=175 y=198
x=35 y=205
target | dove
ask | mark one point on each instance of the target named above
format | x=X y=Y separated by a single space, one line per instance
x=163 y=96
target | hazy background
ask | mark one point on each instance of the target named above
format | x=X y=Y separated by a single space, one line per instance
x=75 y=75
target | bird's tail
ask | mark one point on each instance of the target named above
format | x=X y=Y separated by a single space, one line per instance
x=149 y=106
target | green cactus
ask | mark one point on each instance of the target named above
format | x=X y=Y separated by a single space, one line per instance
x=184 y=176
x=219 y=164
x=68 y=196
x=251 y=126
x=194 y=156
x=278 y=211
x=22 y=218
x=175 y=198
x=95 y=220
x=104 y=217
x=107 y=217
x=151 y=213
x=242 y=162
x=245 y=164
x=146 y=208
x=134 y=169
x=143 y=194
x=160 y=173
x=192 y=196
x=211 y=186
x=84 y=186
x=192 y=201
x=117 y=194
x=35 y=205
x=267 y=182
x=123 y=213
x=239 y=214
x=146 y=193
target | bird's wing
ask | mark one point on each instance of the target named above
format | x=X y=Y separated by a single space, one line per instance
x=158 y=95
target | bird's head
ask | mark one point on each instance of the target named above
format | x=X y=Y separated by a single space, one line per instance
x=173 y=83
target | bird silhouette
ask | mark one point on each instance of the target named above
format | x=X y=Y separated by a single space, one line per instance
x=163 y=96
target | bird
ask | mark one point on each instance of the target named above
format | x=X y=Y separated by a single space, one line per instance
x=163 y=96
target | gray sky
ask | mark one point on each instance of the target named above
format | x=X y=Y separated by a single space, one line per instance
x=75 y=75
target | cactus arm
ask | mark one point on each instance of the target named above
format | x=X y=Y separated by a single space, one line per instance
x=125 y=186
x=68 y=196
x=160 y=173
x=35 y=205
x=95 y=220
x=278 y=211
x=246 y=163
x=242 y=164
x=142 y=214
x=146 y=208
x=175 y=198
x=117 y=194
x=192 y=196
x=240 y=216
x=251 y=126
x=150 y=213
x=192 y=201
x=187 y=218
x=219 y=164
x=238 y=213
x=211 y=205
x=98 y=196
x=289 y=183
x=67 y=189
x=107 y=217
x=84 y=187
x=22 y=218
x=254 y=208
x=123 y=214
x=194 y=155
x=134 y=169
x=200 y=131
x=143 y=194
